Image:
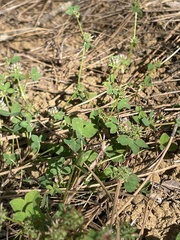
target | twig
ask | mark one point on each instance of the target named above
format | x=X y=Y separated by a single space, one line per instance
x=47 y=17
x=115 y=202
x=41 y=13
x=99 y=181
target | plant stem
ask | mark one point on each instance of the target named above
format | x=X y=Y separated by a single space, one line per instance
x=21 y=91
x=80 y=27
x=82 y=63
x=135 y=25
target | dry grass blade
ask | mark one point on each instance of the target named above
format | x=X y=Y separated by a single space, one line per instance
x=49 y=16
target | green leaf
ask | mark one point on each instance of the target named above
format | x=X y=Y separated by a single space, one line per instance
x=89 y=156
x=146 y=122
x=19 y=216
x=16 y=128
x=89 y=130
x=95 y=114
x=72 y=10
x=67 y=120
x=124 y=103
x=83 y=128
x=35 y=146
x=145 y=190
x=113 y=127
x=15 y=109
x=178 y=122
x=10 y=90
x=33 y=196
x=54 y=171
x=10 y=158
x=32 y=210
x=132 y=183
x=35 y=75
x=26 y=125
x=114 y=119
x=1 y=87
x=151 y=66
x=164 y=139
x=17 y=204
x=138 y=108
x=6 y=85
x=109 y=171
x=66 y=170
x=147 y=81
x=59 y=116
x=76 y=8
x=173 y=147
x=142 y=114
x=124 y=140
x=77 y=125
x=36 y=138
x=29 y=210
x=141 y=143
x=136 y=119
x=178 y=236
x=73 y=144
x=15 y=120
x=134 y=147
x=5 y=113
x=15 y=59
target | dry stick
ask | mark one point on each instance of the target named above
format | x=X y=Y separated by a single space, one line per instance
x=118 y=230
x=22 y=14
x=49 y=16
x=92 y=166
x=146 y=216
x=172 y=32
x=11 y=34
x=15 y=169
x=147 y=210
x=6 y=9
x=118 y=30
x=93 y=215
x=150 y=175
x=41 y=13
x=162 y=94
x=159 y=170
x=99 y=181
x=115 y=201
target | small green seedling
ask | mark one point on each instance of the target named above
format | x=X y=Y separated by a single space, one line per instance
x=27 y=207
x=80 y=91
x=36 y=143
x=164 y=139
x=128 y=232
x=124 y=174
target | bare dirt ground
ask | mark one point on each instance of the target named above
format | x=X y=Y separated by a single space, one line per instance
x=53 y=43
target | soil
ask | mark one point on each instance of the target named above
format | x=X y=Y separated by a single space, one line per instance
x=53 y=43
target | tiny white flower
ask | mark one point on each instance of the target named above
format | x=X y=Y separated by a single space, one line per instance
x=3 y=105
x=16 y=67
